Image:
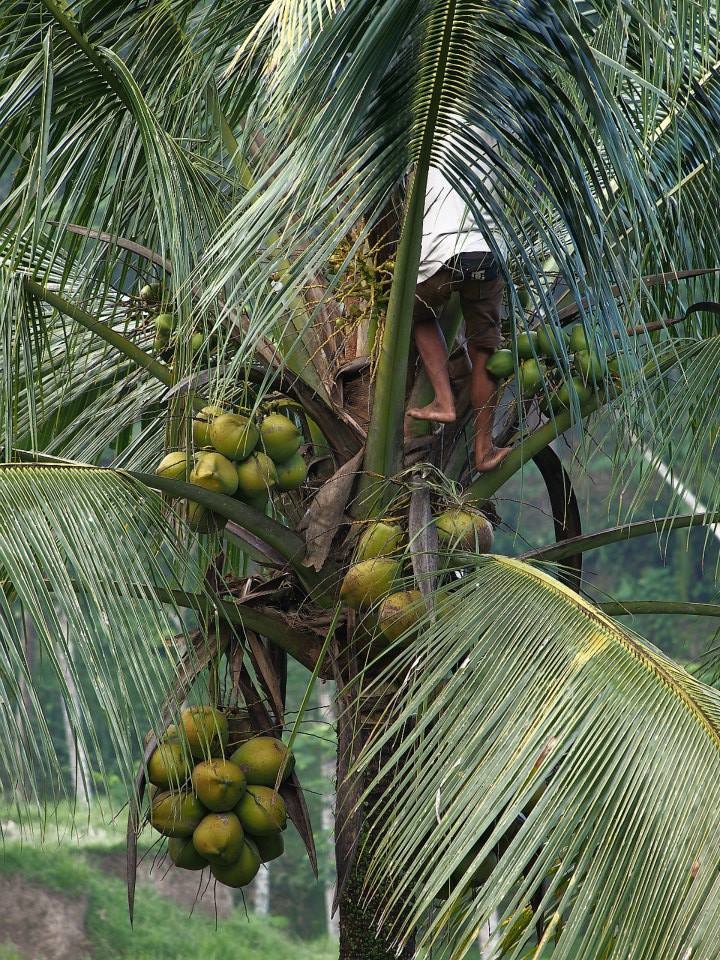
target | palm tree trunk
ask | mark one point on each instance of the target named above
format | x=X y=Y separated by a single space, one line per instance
x=359 y=939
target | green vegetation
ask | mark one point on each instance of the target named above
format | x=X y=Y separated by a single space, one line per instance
x=162 y=929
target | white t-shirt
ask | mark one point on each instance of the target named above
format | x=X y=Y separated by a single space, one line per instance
x=449 y=226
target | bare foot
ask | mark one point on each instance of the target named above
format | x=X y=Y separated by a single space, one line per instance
x=433 y=411
x=486 y=460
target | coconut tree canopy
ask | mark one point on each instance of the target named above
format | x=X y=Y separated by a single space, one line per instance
x=220 y=206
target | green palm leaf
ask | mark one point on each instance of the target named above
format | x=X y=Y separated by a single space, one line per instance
x=88 y=563
x=521 y=683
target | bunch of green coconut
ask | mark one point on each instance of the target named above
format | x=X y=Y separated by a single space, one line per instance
x=153 y=298
x=538 y=351
x=379 y=561
x=236 y=457
x=218 y=811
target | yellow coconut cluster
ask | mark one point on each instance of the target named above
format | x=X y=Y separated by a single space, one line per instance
x=218 y=812
x=378 y=564
x=237 y=458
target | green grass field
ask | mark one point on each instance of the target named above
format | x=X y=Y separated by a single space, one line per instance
x=162 y=929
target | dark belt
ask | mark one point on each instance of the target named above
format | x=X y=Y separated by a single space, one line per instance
x=473 y=266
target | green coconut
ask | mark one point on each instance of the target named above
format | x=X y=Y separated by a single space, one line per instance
x=292 y=473
x=461 y=528
x=551 y=342
x=613 y=365
x=151 y=292
x=527 y=345
x=219 y=838
x=205 y=730
x=234 y=436
x=261 y=758
x=174 y=465
x=213 y=471
x=165 y=323
x=201 y=425
x=279 y=436
x=219 y=784
x=578 y=338
x=379 y=539
x=399 y=613
x=176 y=814
x=368 y=581
x=270 y=847
x=161 y=342
x=196 y=342
x=532 y=375
x=202 y=520
x=183 y=854
x=501 y=364
x=256 y=476
x=561 y=400
x=262 y=811
x=168 y=765
x=590 y=365
x=243 y=871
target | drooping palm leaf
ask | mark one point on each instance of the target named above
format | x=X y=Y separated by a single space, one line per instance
x=521 y=683
x=89 y=561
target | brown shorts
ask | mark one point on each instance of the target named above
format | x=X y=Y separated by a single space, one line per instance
x=481 y=301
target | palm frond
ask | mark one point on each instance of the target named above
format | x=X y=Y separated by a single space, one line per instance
x=524 y=697
x=89 y=563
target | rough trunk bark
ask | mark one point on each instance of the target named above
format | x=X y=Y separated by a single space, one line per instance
x=359 y=939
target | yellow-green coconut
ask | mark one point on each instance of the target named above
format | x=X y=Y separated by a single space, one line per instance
x=183 y=854
x=256 y=476
x=215 y=472
x=176 y=814
x=243 y=871
x=261 y=758
x=205 y=730
x=201 y=425
x=270 y=847
x=399 y=613
x=219 y=838
x=219 y=784
x=168 y=765
x=379 y=539
x=292 y=473
x=279 y=436
x=368 y=581
x=202 y=520
x=262 y=811
x=461 y=528
x=173 y=465
x=234 y=436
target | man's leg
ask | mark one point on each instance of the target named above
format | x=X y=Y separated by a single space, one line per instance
x=481 y=303
x=431 y=296
x=483 y=396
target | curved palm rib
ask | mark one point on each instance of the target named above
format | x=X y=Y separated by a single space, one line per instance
x=522 y=681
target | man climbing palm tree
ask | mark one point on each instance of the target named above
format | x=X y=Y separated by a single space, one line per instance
x=456 y=257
